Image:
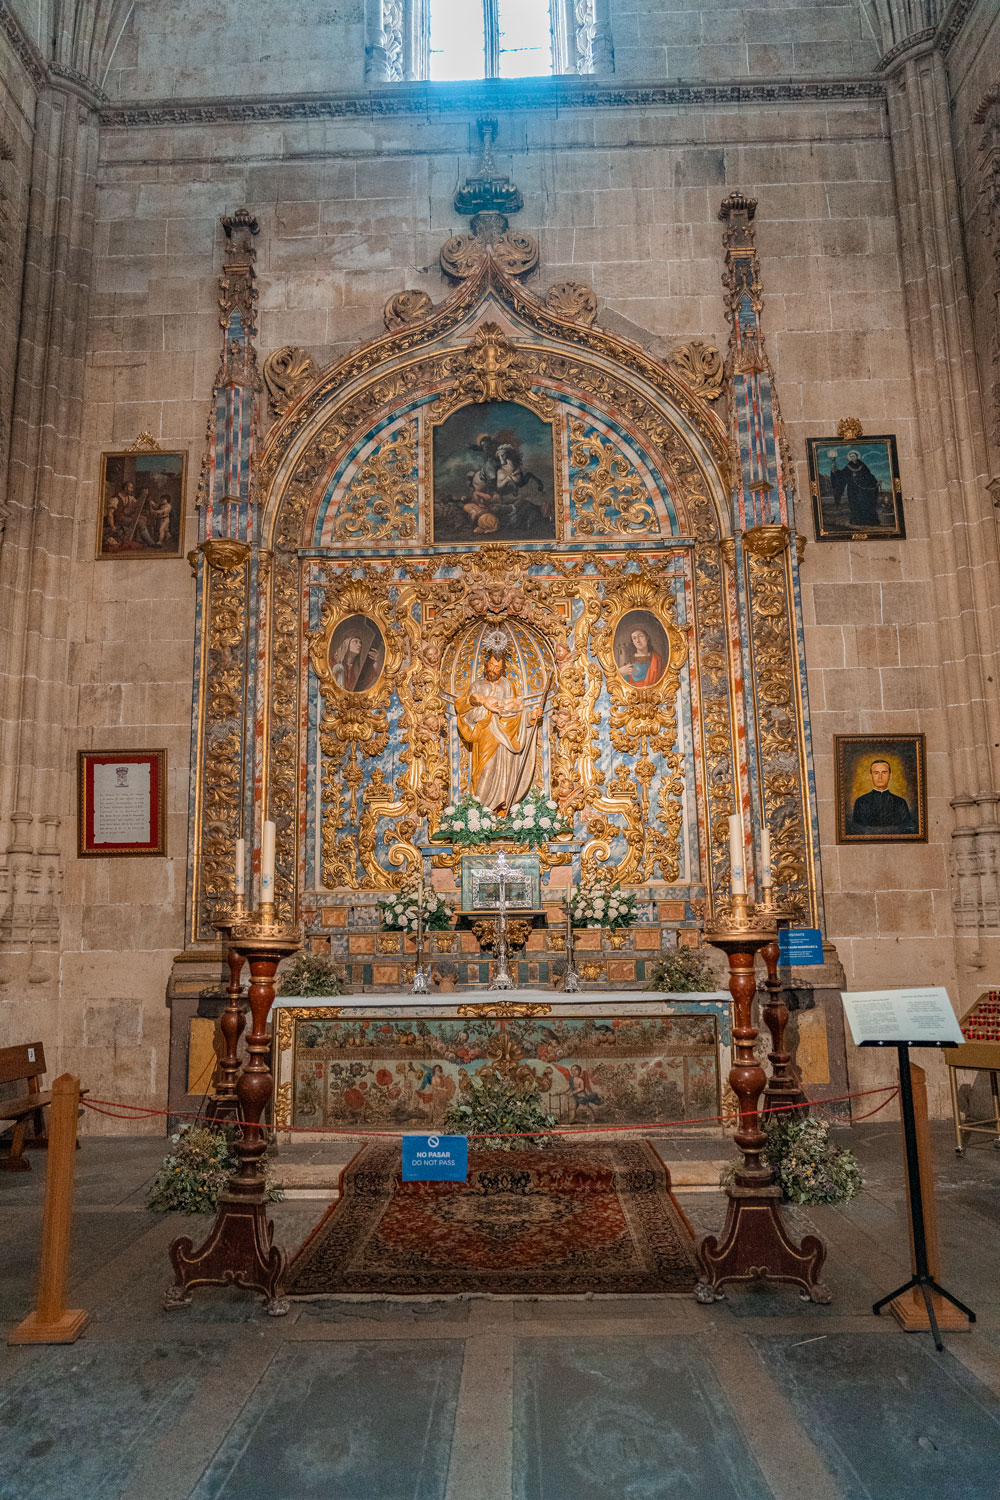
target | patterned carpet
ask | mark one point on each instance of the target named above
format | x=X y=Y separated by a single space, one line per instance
x=570 y=1219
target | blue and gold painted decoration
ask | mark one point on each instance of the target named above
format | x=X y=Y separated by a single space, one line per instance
x=611 y=493
x=377 y=498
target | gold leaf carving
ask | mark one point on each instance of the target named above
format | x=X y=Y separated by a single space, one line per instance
x=225 y=556
x=382 y=499
x=849 y=429
x=572 y=300
x=287 y=373
x=462 y=255
x=404 y=307
x=766 y=541
x=700 y=365
x=507 y=1008
x=144 y=443
x=610 y=499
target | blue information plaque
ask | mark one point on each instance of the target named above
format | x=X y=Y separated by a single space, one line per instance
x=435 y=1158
x=800 y=945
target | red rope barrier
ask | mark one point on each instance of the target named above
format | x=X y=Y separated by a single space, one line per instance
x=109 y=1106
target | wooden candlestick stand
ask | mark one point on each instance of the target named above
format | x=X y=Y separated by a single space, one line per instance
x=224 y=1103
x=240 y=1248
x=783 y=1087
x=755 y=1243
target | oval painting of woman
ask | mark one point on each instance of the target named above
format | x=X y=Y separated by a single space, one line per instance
x=357 y=654
x=641 y=650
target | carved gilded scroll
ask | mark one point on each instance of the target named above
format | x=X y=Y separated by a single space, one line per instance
x=223 y=676
x=778 y=713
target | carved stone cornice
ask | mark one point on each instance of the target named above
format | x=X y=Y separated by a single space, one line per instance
x=20 y=44
x=904 y=51
x=420 y=100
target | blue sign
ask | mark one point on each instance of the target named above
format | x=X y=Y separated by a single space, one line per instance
x=800 y=946
x=435 y=1158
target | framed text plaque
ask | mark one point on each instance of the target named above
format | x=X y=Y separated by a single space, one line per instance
x=122 y=802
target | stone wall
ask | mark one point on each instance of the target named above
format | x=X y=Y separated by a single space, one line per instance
x=193 y=50
x=353 y=205
x=623 y=200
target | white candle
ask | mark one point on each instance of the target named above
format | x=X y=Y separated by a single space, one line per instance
x=737 y=880
x=239 y=879
x=267 y=864
x=765 y=856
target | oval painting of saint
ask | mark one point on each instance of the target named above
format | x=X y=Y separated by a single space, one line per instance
x=357 y=654
x=641 y=650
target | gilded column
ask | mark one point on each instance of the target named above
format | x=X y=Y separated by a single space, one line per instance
x=776 y=759
x=228 y=567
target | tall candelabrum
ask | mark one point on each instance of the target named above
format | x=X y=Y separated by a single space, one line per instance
x=783 y=1089
x=224 y=1103
x=755 y=1242
x=240 y=1247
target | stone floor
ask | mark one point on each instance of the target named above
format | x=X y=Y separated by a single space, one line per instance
x=760 y=1397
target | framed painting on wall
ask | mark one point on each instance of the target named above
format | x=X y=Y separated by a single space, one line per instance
x=140 y=510
x=494 y=475
x=122 y=802
x=855 y=488
x=881 y=789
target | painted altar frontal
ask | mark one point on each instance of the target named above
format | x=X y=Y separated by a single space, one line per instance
x=397 y=1063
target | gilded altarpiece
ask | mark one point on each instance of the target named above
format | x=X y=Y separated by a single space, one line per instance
x=623 y=639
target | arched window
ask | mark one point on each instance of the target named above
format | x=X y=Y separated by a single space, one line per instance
x=452 y=41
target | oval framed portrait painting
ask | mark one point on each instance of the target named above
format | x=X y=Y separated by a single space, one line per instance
x=641 y=649
x=357 y=654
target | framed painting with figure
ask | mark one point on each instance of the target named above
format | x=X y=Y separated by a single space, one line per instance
x=494 y=475
x=140 y=511
x=881 y=789
x=855 y=488
x=122 y=802
x=641 y=648
x=357 y=654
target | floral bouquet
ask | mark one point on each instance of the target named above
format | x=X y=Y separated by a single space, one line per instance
x=399 y=913
x=536 y=819
x=198 y=1168
x=468 y=822
x=808 y=1167
x=598 y=903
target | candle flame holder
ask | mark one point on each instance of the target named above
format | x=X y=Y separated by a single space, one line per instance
x=755 y=1243
x=240 y=1248
x=224 y=1103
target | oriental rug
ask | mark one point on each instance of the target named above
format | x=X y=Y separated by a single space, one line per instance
x=567 y=1220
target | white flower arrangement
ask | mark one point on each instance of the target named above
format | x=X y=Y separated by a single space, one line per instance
x=468 y=822
x=598 y=903
x=536 y=819
x=399 y=912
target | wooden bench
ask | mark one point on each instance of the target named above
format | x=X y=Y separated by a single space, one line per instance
x=23 y=1065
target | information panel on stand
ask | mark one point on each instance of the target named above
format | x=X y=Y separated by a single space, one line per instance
x=887 y=1018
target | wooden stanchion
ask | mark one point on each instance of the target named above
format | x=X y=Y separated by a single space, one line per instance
x=909 y=1308
x=52 y=1322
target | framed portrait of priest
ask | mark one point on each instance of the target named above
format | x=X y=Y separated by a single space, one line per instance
x=881 y=789
x=855 y=488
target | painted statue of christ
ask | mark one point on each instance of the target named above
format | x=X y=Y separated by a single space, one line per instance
x=500 y=729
